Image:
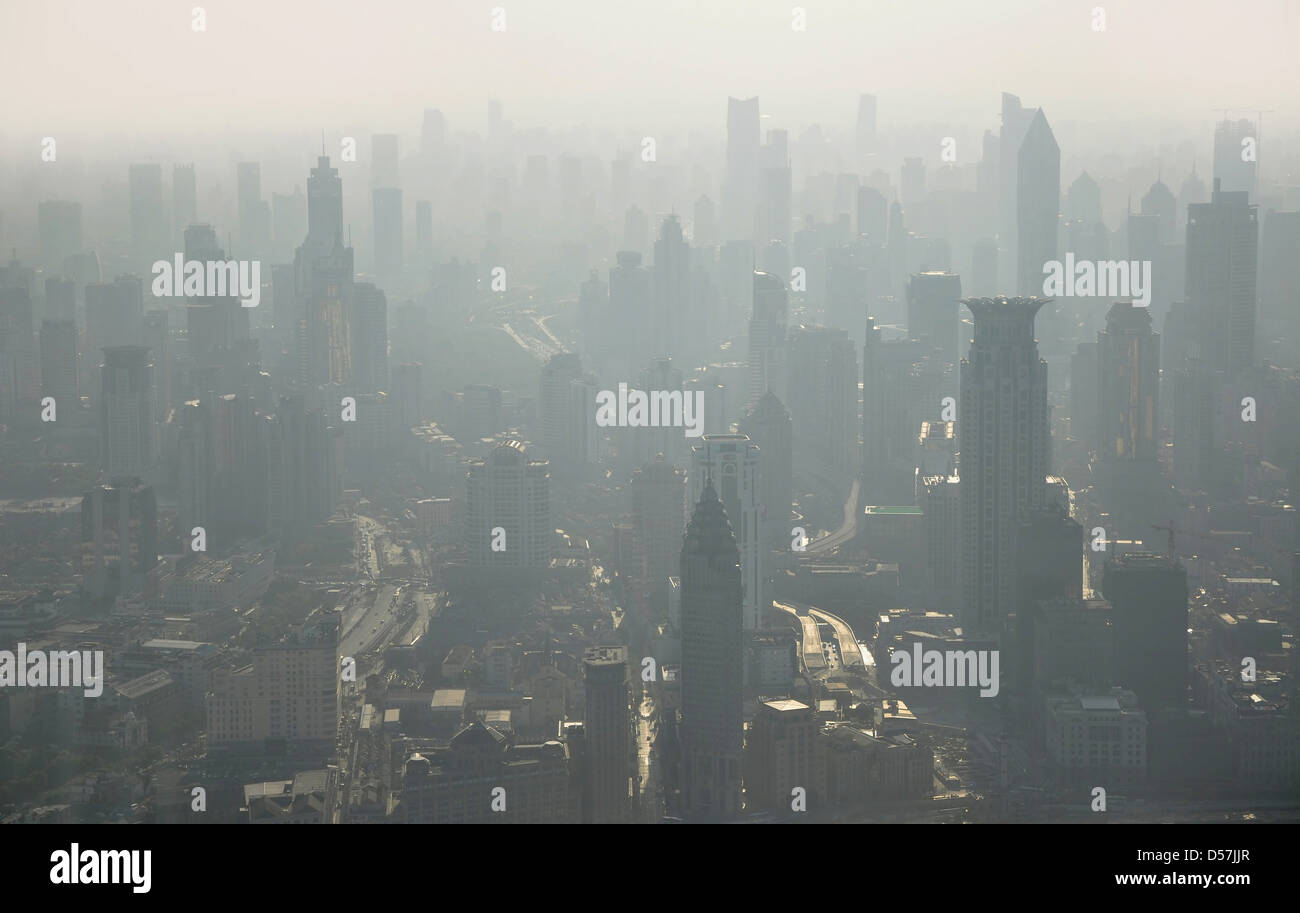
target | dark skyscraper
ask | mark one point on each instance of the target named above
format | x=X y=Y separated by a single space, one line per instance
x=712 y=728
x=1003 y=429
x=1148 y=595
x=607 y=719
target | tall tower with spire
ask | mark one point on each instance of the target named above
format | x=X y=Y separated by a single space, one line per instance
x=712 y=728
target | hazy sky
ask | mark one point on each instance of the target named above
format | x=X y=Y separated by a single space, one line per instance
x=137 y=65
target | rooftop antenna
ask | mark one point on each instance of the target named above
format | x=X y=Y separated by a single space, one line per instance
x=322 y=142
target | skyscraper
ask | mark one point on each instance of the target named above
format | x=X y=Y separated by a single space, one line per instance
x=149 y=231
x=607 y=720
x=730 y=463
x=1222 y=239
x=740 y=186
x=1128 y=386
x=1235 y=155
x=768 y=425
x=1005 y=441
x=712 y=727
x=1038 y=203
x=384 y=158
x=767 y=328
x=672 y=292
x=369 y=338
x=824 y=400
x=932 y=311
x=59 y=361
x=126 y=413
x=323 y=270
x=1148 y=596
x=508 y=491
x=1015 y=123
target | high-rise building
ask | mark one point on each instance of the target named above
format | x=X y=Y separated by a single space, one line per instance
x=122 y=517
x=1083 y=200
x=1038 y=203
x=824 y=401
x=673 y=313
x=384 y=161
x=149 y=229
x=730 y=463
x=509 y=492
x=1235 y=156
x=932 y=311
x=1279 y=275
x=369 y=338
x=607 y=721
x=1148 y=596
x=323 y=269
x=567 y=407
x=1015 y=124
x=19 y=361
x=60 y=299
x=1005 y=441
x=127 y=431
x=712 y=724
x=740 y=185
x=659 y=517
x=304 y=468
x=1222 y=240
x=767 y=328
x=782 y=754
x=217 y=326
x=1128 y=374
x=768 y=425
x=59 y=362
x=939 y=497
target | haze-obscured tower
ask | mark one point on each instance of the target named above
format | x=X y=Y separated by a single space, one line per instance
x=1004 y=437
x=126 y=413
x=712 y=727
x=1222 y=241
